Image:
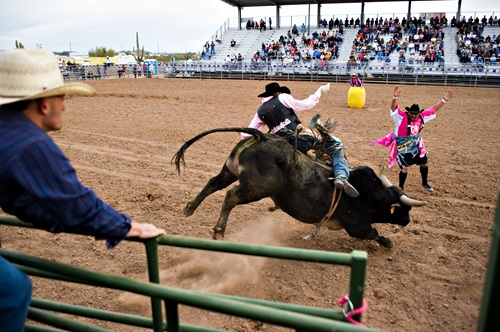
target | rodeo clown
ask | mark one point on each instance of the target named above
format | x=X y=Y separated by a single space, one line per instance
x=278 y=113
x=407 y=146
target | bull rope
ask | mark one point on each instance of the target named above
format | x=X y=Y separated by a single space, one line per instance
x=333 y=206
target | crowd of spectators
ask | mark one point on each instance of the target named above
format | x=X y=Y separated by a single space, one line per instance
x=71 y=70
x=209 y=48
x=259 y=25
x=416 y=41
x=232 y=61
x=473 y=47
x=295 y=47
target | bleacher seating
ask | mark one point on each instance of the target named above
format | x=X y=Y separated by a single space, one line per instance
x=250 y=44
x=246 y=42
x=476 y=44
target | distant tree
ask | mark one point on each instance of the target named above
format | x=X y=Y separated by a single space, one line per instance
x=102 y=52
x=176 y=56
x=19 y=44
x=138 y=56
x=160 y=58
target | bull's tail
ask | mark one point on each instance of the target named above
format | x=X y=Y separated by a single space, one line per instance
x=178 y=158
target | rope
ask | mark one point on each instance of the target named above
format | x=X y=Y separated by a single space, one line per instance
x=333 y=206
x=352 y=311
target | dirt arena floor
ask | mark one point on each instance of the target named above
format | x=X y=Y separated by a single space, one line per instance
x=122 y=140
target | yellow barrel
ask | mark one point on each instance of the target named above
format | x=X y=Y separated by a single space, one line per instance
x=356 y=97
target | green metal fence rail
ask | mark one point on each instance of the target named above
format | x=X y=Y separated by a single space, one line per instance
x=488 y=316
x=300 y=318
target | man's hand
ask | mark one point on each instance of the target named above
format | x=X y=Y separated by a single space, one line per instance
x=447 y=95
x=323 y=89
x=144 y=231
x=397 y=91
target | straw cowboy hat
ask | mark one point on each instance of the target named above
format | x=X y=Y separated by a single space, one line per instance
x=272 y=88
x=32 y=74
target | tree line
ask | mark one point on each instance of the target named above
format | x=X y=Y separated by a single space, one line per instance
x=139 y=53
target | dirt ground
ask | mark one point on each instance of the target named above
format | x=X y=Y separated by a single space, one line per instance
x=121 y=142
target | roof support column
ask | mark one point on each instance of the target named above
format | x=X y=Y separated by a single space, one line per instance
x=278 y=19
x=362 y=19
x=239 y=18
x=319 y=15
x=408 y=16
x=459 y=9
x=309 y=18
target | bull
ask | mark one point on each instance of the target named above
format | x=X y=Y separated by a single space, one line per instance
x=268 y=166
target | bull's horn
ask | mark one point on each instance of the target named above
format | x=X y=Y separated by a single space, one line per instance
x=411 y=202
x=383 y=178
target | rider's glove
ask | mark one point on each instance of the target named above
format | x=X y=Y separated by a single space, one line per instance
x=322 y=90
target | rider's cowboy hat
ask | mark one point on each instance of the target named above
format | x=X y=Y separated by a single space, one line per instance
x=354 y=75
x=272 y=88
x=33 y=74
x=413 y=109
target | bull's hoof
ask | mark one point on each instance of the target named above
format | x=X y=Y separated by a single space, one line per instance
x=385 y=242
x=313 y=234
x=273 y=208
x=309 y=236
x=188 y=210
x=218 y=234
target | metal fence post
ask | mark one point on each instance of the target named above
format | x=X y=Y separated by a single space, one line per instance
x=357 y=280
x=488 y=316
x=154 y=276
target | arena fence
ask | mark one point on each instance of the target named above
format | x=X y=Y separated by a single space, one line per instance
x=300 y=318
x=333 y=71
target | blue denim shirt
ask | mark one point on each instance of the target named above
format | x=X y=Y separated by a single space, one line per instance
x=39 y=185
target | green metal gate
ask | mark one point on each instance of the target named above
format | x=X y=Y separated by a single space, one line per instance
x=300 y=318
x=488 y=316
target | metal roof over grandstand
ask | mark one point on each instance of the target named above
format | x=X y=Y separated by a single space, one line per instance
x=266 y=3
x=279 y=3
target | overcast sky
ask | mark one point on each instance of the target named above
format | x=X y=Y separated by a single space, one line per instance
x=167 y=25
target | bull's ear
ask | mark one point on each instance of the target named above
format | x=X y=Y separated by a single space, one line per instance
x=393 y=207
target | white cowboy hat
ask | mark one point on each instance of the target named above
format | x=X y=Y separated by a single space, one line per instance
x=32 y=74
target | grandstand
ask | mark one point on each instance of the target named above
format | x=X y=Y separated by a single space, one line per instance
x=259 y=61
x=343 y=48
x=249 y=44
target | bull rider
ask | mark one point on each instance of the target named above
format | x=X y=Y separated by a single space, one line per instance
x=278 y=113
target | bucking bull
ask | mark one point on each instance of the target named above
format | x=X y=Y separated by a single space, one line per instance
x=268 y=166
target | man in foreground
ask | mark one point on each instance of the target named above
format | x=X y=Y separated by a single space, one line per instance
x=38 y=184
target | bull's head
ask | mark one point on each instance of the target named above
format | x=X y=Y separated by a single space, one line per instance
x=400 y=210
